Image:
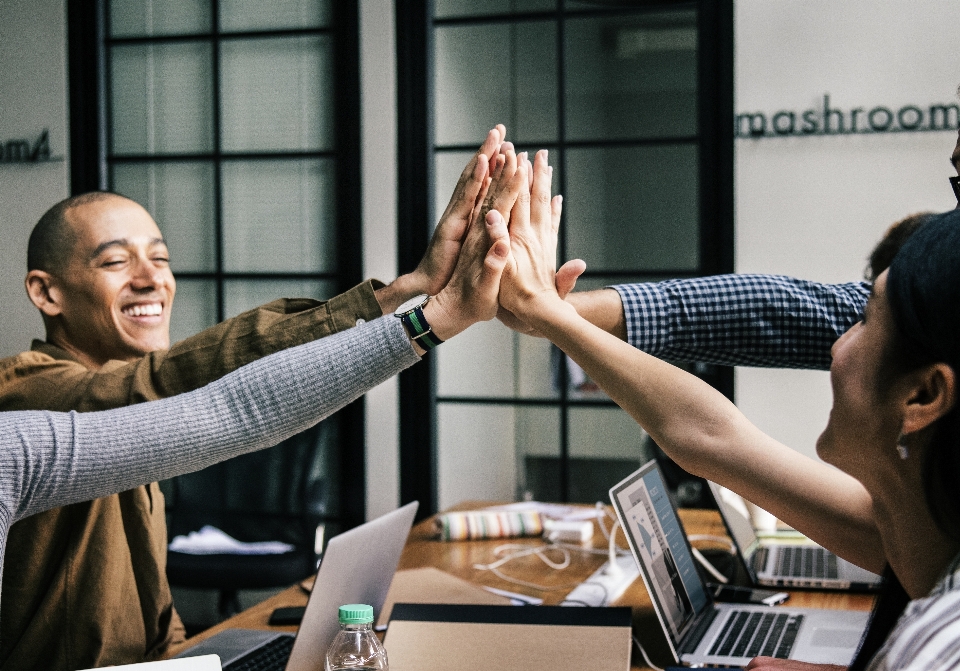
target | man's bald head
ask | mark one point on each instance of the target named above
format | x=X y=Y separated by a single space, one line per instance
x=53 y=238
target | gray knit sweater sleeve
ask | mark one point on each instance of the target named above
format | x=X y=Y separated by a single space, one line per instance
x=50 y=459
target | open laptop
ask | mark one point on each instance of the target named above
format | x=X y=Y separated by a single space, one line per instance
x=804 y=565
x=700 y=631
x=357 y=567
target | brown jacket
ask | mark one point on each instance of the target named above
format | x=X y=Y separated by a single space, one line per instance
x=85 y=585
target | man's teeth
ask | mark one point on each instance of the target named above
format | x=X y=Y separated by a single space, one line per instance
x=151 y=310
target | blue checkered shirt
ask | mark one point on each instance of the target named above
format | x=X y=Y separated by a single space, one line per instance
x=742 y=320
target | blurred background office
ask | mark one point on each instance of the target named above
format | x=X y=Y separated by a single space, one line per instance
x=295 y=147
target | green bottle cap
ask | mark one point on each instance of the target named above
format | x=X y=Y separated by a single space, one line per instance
x=356 y=613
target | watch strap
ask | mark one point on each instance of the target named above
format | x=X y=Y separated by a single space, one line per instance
x=418 y=328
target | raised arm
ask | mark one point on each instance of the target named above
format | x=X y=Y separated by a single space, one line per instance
x=690 y=420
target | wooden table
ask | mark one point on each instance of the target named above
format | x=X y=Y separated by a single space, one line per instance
x=458 y=558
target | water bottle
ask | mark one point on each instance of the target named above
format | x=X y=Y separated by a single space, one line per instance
x=356 y=647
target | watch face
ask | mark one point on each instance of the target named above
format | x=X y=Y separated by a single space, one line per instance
x=411 y=305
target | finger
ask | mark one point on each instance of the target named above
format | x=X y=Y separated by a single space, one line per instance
x=471 y=179
x=520 y=212
x=497 y=227
x=567 y=276
x=540 y=206
x=556 y=209
x=488 y=286
x=504 y=190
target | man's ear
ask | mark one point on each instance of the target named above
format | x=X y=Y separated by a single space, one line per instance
x=933 y=395
x=44 y=292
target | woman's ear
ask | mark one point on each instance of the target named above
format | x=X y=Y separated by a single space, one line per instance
x=44 y=293
x=933 y=395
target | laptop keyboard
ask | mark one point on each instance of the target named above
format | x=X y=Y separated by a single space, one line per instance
x=749 y=634
x=812 y=562
x=272 y=656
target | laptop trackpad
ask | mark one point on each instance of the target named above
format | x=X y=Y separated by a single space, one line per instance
x=824 y=637
x=231 y=644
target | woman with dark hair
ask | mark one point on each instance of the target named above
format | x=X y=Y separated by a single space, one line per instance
x=893 y=433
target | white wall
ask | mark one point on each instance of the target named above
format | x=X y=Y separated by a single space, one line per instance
x=813 y=207
x=33 y=96
x=379 y=165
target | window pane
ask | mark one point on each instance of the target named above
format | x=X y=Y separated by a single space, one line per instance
x=277 y=94
x=142 y=18
x=180 y=198
x=444 y=9
x=606 y=445
x=477 y=450
x=491 y=361
x=238 y=15
x=279 y=216
x=242 y=295
x=490 y=74
x=538 y=450
x=194 y=308
x=633 y=208
x=631 y=77
x=161 y=97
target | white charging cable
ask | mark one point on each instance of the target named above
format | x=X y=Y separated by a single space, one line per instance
x=711 y=569
x=643 y=652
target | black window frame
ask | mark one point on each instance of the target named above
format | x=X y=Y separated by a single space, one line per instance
x=91 y=161
x=416 y=147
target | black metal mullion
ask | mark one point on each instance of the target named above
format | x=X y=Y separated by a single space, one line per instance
x=217 y=162
x=715 y=90
x=562 y=375
x=85 y=26
x=418 y=409
x=352 y=460
x=546 y=15
x=216 y=34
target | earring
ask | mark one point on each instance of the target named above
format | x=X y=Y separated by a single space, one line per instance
x=902 y=448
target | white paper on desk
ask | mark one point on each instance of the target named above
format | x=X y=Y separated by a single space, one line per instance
x=212 y=541
x=202 y=663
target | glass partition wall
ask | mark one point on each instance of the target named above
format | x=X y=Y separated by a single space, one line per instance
x=618 y=95
x=235 y=123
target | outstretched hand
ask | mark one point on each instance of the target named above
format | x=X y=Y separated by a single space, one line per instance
x=530 y=277
x=436 y=267
x=472 y=292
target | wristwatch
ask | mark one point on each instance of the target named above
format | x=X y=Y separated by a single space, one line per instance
x=411 y=315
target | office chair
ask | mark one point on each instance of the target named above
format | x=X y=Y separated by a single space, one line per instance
x=284 y=493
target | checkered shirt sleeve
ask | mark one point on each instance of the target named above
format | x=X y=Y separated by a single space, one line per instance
x=741 y=320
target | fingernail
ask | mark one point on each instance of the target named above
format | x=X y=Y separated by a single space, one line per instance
x=546 y=154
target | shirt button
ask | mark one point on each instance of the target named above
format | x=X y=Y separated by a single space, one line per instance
x=361 y=321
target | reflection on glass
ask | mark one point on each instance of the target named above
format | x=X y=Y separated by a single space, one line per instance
x=444 y=9
x=481 y=449
x=240 y=15
x=631 y=77
x=279 y=216
x=194 y=308
x=277 y=94
x=633 y=208
x=161 y=98
x=538 y=453
x=242 y=295
x=180 y=198
x=606 y=445
x=145 y=18
x=499 y=73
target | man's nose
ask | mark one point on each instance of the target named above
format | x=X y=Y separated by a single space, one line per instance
x=147 y=275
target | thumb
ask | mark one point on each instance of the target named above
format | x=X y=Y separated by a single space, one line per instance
x=567 y=276
x=488 y=286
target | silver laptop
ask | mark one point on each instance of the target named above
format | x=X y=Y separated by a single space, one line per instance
x=805 y=565
x=357 y=567
x=700 y=631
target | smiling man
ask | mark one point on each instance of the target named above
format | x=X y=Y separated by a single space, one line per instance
x=85 y=585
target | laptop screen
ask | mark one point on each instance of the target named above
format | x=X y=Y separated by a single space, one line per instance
x=660 y=546
x=739 y=527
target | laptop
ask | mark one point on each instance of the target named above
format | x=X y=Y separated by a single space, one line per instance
x=357 y=567
x=804 y=565
x=700 y=631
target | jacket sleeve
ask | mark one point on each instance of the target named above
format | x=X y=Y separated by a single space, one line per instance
x=35 y=381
